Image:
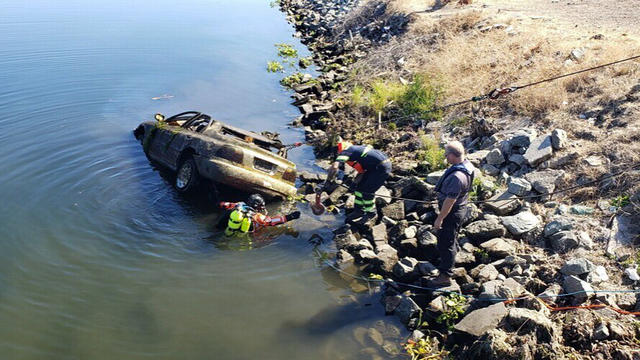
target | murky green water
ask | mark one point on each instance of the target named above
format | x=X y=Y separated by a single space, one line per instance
x=100 y=258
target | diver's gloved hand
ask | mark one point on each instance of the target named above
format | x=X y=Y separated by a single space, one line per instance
x=294 y=215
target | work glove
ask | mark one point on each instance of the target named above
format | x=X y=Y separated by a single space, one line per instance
x=294 y=215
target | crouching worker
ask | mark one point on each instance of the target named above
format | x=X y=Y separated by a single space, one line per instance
x=242 y=218
x=373 y=166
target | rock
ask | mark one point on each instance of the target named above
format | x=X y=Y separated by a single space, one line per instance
x=344 y=259
x=624 y=231
x=559 y=139
x=577 y=267
x=375 y=336
x=476 y=157
x=388 y=221
x=409 y=244
x=410 y=232
x=427 y=239
x=383 y=196
x=581 y=210
x=426 y=268
x=539 y=150
x=581 y=290
x=503 y=203
x=367 y=255
x=490 y=169
x=601 y=332
x=522 y=138
x=483 y=230
x=598 y=275
x=379 y=234
x=531 y=320
x=395 y=210
x=518 y=186
x=632 y=273
x=346 y=241
x=407 y=309
x=433 y=177
x=585 y=240
x=406 y=270
x=551 y=293
x=411 y=184
x=498 y=247
x=387 y=257
x=517 y=159
x=577 y=55
x=556 y=226
x=544 y=181
x=494 y=345
x=521 y=223
x=563 y=241
x=478 y=322
x=336 y=194
x=487 y=273
x=416 y=335
x=495 y=157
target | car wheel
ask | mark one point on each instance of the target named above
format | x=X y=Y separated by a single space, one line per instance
x=187 y=176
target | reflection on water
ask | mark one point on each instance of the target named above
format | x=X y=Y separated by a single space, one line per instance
x=100 y=258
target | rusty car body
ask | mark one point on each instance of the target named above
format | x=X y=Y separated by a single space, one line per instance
x=197 y=147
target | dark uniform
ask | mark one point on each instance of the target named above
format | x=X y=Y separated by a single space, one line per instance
x=375 y=166
x=455 y=183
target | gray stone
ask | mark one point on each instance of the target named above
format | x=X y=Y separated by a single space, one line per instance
x=383 y=196
x=477 y=157
x=379 y=233
x=503 y=203
x=523 y=138
x=564 y=241
x=480 y=321
x=490 y=169
x=411 y=184
x=624 y=231
x=517 y=159
x=582 y=289
x=555 y=226
x=395 y=211
x=598 y=275
x=405 y=269
x=544 y=181
x=364 y=244
x=581 y=210
x=577 y=267
x=485 y=229
x=388 y=221
x=367 y=254
x=432 y=178
x=585 y=240
x=344 y=259
x=559 y=139
x=495 y=157
x=426 y=268
x=387 y=258
x=498 y=247
x=427 y=239
x=601 y=332
x=410 y=232
x=539 y=150
x=487 y=273
x=346 y=241
x=577 y=55
x=416 y=335
x=518 y=186
x=409 y=244
x=521 y=223
x=551 y=293
x=531 y=320
x=407 y=309
x=336 y=194
x=375 y=336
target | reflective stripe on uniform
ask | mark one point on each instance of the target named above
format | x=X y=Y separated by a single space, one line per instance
x=366 y=150
x=357 y=194
x=342 y=158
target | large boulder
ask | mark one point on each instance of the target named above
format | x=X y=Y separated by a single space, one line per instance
x=379 y=233
x=483 y=230
x=531 y=321
x=394 y=211
x=433 y=177
x=480 y=321
x=518 y=186
x=499 y=247
x=406 y=269
x=407 y=309
x=387 y=257
x=503 y=203
x=521 y=223
x=544 y=181
x=577 y=267
x=557 y=225
x=495 y=157
x=539 y=150
x=564 y=241
x=559 y=139
x=580 y=289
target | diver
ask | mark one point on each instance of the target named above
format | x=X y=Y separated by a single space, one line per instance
x=242 y=218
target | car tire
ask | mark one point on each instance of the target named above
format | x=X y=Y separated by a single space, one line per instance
x=187 y=177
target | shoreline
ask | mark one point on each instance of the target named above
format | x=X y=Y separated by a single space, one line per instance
x=509 y=248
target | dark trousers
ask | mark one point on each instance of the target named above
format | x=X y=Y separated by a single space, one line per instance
x=370 y=183
x=448 y=239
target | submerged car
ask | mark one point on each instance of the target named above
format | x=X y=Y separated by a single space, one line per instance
x=197 y=147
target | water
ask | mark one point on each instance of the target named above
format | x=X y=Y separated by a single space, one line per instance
x=100 y=258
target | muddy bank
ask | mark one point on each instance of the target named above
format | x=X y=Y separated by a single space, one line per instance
x=526 y=249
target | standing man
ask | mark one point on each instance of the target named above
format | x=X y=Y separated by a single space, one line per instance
x=453 y=196
x=372 y=165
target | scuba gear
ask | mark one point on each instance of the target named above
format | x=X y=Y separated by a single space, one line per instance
x=256 y=202
x=239 y=220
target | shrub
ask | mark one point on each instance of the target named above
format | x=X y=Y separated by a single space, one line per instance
x=431 y=153
x=383 y=92
x=358 y=96
x=419 y=99
x=392 y=126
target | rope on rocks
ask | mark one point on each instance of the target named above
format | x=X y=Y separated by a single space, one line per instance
x=505 y=300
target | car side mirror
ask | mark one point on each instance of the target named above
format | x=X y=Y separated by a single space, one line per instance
x=159 y=117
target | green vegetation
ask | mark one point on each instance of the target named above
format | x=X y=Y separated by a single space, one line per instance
x=419 y=99
x=358 y=96
x=274 y=3
x=425 y=349
x=305 y=62
x=460 y=121
x=454 y=304
x=383 y=93
x=620 y=201
x=482 y=254
x=634 y=259
x=274 y=66
x=286 y=51
x=392 y=126
x=291 y=80
x=431 y=153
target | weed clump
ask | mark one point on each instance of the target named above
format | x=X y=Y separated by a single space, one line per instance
x=274 y=66
x=292 y=80
x=419 y=99
x=431 y=153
